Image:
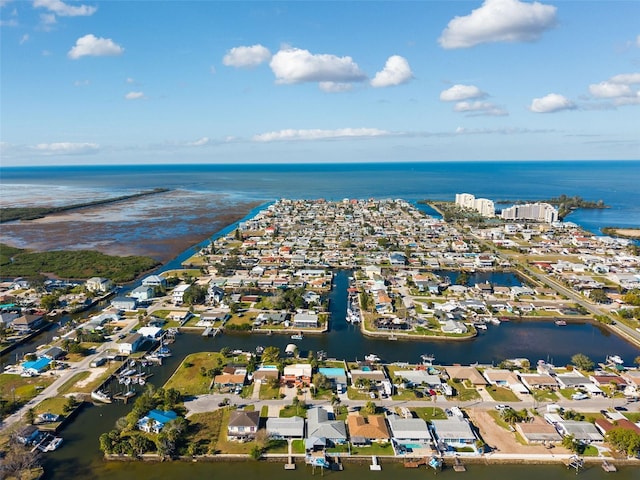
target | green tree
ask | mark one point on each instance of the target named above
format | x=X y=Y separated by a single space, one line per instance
x=624 y=440
x=30 y=416
x=256 y=452
x=370 y=407
x=583 y=362
x=321 y=381
x=598 y=295
x=271 y=355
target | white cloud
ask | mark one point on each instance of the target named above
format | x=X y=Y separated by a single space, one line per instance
x=293 y=65
x=638 y=41
x=480 y=108
x=130 y=80
x=9 y=23
x=201 y=142
x=247 y=57
x=395 y=72
x=134 y=96
x=318 y=134
x=620 y=89
x=499 y=21
x=63 y=10
x=90 y=45
x=610 y=89
x=551 y=103
x=81 y=83
x=461 y=92
x=335 y=87
x=66 y=148
x=24 y=39
x=48 y=19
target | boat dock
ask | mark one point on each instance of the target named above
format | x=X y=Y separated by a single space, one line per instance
x=608 y=467
x=415 y=463
x=375 y=466
x=458 y=466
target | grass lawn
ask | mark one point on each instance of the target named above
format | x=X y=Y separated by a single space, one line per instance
x=91 y=385
x=463 y=393
x=355 y=394
x=188 y=379
x=499 y=421
x=429 y=413
x=204 y=430
x=67 y=386
x=408 y=394
x=297 y=446
x=51 y=405
x=22 y=389
x=501 y=394
x=545 y=396
x=267 y=392
x=292 y=411
x=567 y=392
x=590 y=451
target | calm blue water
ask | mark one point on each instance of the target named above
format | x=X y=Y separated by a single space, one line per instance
x=615 y=182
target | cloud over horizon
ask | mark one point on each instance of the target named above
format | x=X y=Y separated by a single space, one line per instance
x=92 y=46
x=478 y=108
x=461 y=92
x=66 y=148
x=499 y=21
x=64 y=10
x=318 y=134
x=622 y=89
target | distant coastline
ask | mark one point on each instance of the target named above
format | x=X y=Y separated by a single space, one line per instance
x=631 y=233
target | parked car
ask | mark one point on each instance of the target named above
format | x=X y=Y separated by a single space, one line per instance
x=579 y=396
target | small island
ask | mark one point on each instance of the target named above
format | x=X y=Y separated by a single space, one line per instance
x=632 y=233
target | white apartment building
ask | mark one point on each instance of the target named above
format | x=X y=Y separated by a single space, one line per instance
x=541 y=212
x=484 y=206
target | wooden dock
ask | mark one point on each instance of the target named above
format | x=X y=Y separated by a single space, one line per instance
x=608 y=467
x=458 y=466
x=415 y=463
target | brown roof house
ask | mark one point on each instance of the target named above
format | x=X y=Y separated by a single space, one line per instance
x=243 y=425
x=538 y=431
x=365 y=430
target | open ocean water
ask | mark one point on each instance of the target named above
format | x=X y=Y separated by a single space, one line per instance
x=617 y=183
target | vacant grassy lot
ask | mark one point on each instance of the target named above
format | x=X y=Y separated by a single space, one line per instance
x=429 y=413
x=188 y=378
x=22 y=389
x=501 y=394
x=464 y=393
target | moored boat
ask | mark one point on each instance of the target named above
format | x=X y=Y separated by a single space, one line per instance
x=101 y=396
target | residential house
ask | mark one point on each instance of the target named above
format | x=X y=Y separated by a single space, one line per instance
x=305 y=320
x=372 y=428
x=27 y=323
x=538 y=431
x=505 y=378
x=409 y=430
x=155 y=420
x=452 y=433
x=297 y=374
x=466 y=373
x=154 y=281
x=36 y=367
x=538 y=381
x=584 y=432
x=321 y=427
x=126 y=304
x=142 y=294
x=177 y=296
x=243 y=425
x=266 y=372
x=6 y=318
x=99 y=285
x=230 y=381
x=285 y=428
x=130 y=344
x=28 y=435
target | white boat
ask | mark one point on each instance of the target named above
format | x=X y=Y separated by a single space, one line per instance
x=372 y=357
x=53 y=444
x=480 y=326
x=427 y=359
x=297 y=336
x=101 y=396
x=495 y=321
x=615 y=359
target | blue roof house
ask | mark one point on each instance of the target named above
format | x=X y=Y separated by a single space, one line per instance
x=36 y=367
x=155 y=420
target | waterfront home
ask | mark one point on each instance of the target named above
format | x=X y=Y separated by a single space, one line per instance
x=573 y=379
x=99 y=285
x=27 y=323
x=36 y=367
x=265 y=373
x=142 y=293
x=604 y=426
x=28 y=435
x=179 y=315
x=320 y=426
x=177 y=296
x=419 y=377
x=363 y=430
x=608 y=380
x=305 y=320
x=538 y=381
x=48 y=417
x=298 y=374
x=155 y=420
x=409 y=430
x=336 y=375
x=471 y=374
x=53 y=353
x=504 y=378
x=538 y=431
x=153 y=333
x=227 y=382
x=154 y=281
x=6 y=318
x=215 y=294
x=285 y=428
x=584 y=432
x=453 y=433
x=243 y=425
x=126 y=304
x=130 y=344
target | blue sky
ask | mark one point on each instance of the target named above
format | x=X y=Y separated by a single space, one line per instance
x=91 y=82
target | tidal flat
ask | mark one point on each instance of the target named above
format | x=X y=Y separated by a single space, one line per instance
x=159 y=226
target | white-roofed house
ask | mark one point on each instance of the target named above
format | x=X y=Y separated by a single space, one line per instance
x=452 y=433
x=284 y=428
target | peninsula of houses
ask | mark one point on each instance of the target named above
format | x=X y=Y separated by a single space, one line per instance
x=411 y=277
